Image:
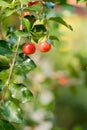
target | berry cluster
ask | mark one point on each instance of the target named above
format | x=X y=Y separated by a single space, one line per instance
x=30 y=48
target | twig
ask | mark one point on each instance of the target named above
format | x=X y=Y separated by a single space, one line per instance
x=11 y=71
x=13 y=62
x=12 y=66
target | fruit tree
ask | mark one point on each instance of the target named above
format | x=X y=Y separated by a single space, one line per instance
x=24 y=29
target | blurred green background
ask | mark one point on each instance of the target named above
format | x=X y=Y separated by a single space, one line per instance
x=59 y=82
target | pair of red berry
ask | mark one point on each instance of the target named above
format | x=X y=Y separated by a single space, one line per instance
x=30 y=48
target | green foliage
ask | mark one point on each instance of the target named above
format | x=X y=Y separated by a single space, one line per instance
x=20 y=92
x=11 y=112
x=79 y=1
x=5 y=125
x=4 y=4
x=61 y=21
x=4 y=48
x=13 y=63
x=27 y=24
x=4 y=63
x=24 y=1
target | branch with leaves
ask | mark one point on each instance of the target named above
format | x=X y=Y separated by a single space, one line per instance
x=24 y=29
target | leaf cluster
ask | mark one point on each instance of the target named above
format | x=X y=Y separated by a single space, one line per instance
x=34 y=28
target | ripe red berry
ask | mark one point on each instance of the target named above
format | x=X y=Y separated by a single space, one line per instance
x=44 y=46
x=29 y=48
x=33 y=3
x=63 y=81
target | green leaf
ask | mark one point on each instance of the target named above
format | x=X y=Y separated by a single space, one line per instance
x=14 y=4
x=20 y=33
x=29 y=64
x=24 y=1
x=61 y=21
x=20 y=92
x=5 y=125
x=31 y=19
x=53 y=38
x=27 y=24
x=4 y=75
x=12 y=40
x=11 y=112
x=24 y=64
x=4 y=48
x=38 y=31
x=9 y=12
x=4 y=4
x=4 y=63
x=19 y=78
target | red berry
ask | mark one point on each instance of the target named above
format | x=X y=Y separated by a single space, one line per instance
x=29 y=48
x=33 y=3
x=44 y=46
x=63 y=81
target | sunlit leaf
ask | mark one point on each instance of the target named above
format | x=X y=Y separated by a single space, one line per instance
x=11 y=112
x=4 y=4
x=20 y=92
x=20 y=33
x=25 y=64
x=27 y=24
x=4 y=63
x=39 y=28
x=9 y=12
x=4 y=74
x=53 y=38
x=38 y=31
x=31 y=19
x=61 y=21
x=40 y=22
